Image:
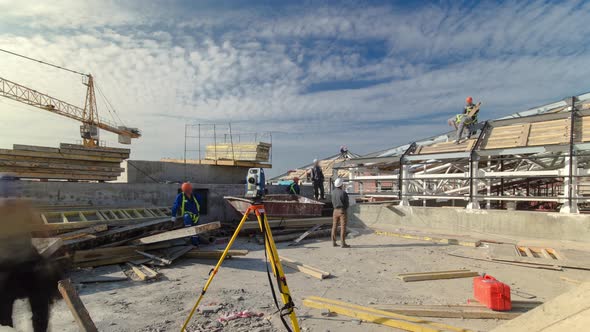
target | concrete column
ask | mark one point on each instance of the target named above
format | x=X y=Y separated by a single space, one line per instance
x=404 y=187
x=474 y=202
x=567 y=207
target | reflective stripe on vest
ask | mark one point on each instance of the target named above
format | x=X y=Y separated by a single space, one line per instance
x=195 y=217
x=292 y=189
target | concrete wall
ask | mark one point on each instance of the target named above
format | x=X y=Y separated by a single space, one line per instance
x=539 y=225
x=142 y=171
x=135 y=195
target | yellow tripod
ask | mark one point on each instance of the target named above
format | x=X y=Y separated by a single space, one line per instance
x=273 y=256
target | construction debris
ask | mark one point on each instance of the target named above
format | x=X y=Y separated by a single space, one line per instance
x=179 y=233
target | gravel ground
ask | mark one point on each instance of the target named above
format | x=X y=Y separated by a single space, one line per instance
x=364 y=274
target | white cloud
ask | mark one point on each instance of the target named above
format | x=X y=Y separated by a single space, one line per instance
x=256 y=69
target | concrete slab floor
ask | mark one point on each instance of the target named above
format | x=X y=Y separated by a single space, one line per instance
x=364 y=274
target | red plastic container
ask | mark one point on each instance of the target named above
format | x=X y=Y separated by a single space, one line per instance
x=492 y=293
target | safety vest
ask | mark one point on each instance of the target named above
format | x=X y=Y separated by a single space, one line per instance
x=194 y=217
x=292 y=189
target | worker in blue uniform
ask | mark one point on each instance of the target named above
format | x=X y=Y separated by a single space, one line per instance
x=188 y=205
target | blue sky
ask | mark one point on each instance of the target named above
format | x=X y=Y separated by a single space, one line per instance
x=317 y=74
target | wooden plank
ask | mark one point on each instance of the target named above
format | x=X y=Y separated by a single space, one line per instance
x=109 y=261
x=138 y=272
x=83 y=232
x=67 y=156
x=212 y=254
x=56 y=171
x=451 y=311
x=524 y=136
x=99 y=148
x=77 y=162
x=304 y=235
x=403 y=322
x=458 y=241
x=160 y=259
x=47 y=246
x=436 y=275
x=63 y=176
x=103 y=253
x=77 y=308
x=180 y=233
x=309 y=270
x=180 y=252
x=62 y=166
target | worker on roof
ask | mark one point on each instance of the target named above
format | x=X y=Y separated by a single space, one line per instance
x=188 y=205
x=317 y=179
x=468 y=118
x=294 y=188
x=340 y=214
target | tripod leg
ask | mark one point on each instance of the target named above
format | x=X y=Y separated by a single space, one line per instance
x=277 y=268
x=216 y=268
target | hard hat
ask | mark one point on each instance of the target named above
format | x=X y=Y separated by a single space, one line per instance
x=315 y=161
x=187 y=187
x=296 y=179
x=338 y=182
x=469 y=100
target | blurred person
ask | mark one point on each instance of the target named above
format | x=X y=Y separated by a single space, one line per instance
x=24 y=273
x=294 y=188
x=317 y=179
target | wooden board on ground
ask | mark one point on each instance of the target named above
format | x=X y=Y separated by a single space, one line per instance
x=463 y=311
x=47 y=246
x=403 y=322
x=309 y=270
x=143 y=272
x=84 y=232
x=436 y=275
x=77 y=308
x=110 y=273
x=466 y=242
x=180 y=233
x=89 y=255
x=483 y=255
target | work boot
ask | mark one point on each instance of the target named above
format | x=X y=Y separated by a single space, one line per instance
x=334 y=244
x=345 y=245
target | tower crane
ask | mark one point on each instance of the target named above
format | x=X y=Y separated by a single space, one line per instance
x=88 y=115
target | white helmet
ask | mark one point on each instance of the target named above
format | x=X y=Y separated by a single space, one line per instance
x=315 y=161
x=338 y=182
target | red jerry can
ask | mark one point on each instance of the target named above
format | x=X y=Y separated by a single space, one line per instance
x=493 y=293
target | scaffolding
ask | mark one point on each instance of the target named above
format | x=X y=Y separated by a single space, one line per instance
x=203 y=144
x=537 y=159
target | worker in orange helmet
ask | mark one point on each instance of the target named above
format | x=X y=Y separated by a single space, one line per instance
x=189 y=208
x=465 y=119
x=294 y=188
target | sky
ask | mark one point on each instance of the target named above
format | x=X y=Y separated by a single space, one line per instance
x=318 y=75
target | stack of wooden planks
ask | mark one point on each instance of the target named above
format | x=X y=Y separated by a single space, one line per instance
x=68 y=162
x=259 y=151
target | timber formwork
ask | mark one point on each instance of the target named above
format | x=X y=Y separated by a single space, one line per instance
x=538 y=159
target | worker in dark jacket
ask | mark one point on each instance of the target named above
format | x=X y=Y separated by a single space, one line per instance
x=294 y=188
x=340 y=204
x=317 y=179
x=188 y=205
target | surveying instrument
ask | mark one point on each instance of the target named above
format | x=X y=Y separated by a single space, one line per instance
x=255 y=190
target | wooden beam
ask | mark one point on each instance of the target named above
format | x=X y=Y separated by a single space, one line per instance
x=455 y=311
x=163 y=260
x=458 y=241
x=83 y=232
x=309 y=270
x=74 y=303
x=80 y=256
x=304 y=235
x=180 y=233
x=382 y=317
x=213 y=254
x=454 y=274
x=47 y=246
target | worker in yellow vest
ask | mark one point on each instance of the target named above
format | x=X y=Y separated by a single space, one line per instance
x=188 y=205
